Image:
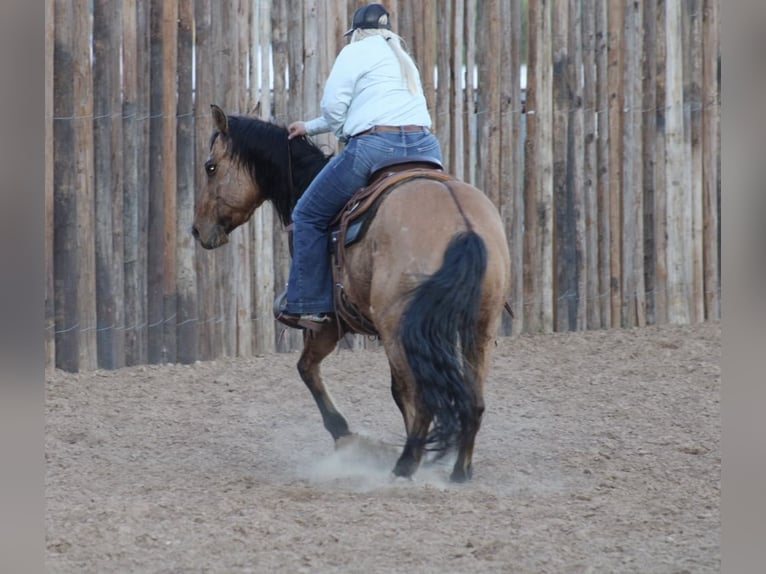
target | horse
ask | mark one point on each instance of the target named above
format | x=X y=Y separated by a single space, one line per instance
x=430 y=274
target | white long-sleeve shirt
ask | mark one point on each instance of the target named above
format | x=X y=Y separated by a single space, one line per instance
x=366 y=88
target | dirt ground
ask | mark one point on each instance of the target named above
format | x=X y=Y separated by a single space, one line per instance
x=599 y=452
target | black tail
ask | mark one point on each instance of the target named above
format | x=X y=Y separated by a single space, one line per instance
x=439 y=331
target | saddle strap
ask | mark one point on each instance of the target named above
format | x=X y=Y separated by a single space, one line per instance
x=348 y=313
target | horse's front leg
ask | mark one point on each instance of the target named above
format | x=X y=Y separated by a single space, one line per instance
x=316 y=346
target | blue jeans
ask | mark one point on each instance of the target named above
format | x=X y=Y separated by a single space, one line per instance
x=310 y=288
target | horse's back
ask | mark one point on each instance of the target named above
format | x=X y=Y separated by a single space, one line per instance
x=407 y=239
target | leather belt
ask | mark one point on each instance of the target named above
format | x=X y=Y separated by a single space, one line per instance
x=408 y=128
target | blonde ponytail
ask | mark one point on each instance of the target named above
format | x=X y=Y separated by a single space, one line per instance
x=407 y=65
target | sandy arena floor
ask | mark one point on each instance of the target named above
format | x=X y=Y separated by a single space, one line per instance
x=599 y=452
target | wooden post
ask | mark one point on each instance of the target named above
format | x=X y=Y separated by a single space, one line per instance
x=590 y=164
x=209 y=343
x=285 y=27
x=484 y=63
x=469 y=108
x=107 y=126
x=616 y=102
x=660 y=196
x=342 y=23
x=50 y=291
x=295 y=110
x=711 y=116
x=313 y=79
x=187 y=330
x=144 y=168
x=576 y=157
x=66 y=263
x=231 y=296
x=563 y=254
x=427 y=58
x=504 y=151
x=295 y=33
x=134 y=154
x=232 y=262
x=649 y=152
x=545 y=165
x=263 y=219
x=402 y=15
x=492 y=87
x=223 y=298
x=512 y=10
x=83 y=113
x=628 y=191
x=498 y=104
x=344 y=13
x=530 y=304
x=693 y=50
x=442 y=116
x=243 y=272
x=538 y=281
x=678 y=196
x=633 y=308
x=417 y=46
x=229 y=261
x=170 y=179
x=569 y=256
x=244 y=47
x=603 y=163
x=158 y=353
x=249 y=43
x=458 y=73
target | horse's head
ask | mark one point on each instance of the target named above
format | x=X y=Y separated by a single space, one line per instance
x=230 y=193
x=250 y=161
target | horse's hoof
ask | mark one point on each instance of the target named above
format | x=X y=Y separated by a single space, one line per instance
x=345 y=440
x=461 y=475
x=405 y=468
x=401 y=479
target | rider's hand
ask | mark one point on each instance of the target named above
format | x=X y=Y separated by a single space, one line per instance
x=296 y=129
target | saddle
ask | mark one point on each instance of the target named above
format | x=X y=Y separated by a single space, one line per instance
x=350 y=225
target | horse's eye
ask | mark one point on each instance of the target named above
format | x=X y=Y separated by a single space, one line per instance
x=210 y=168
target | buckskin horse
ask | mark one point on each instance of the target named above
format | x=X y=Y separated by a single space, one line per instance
x=429 y=276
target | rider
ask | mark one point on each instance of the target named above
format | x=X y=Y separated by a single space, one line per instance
x=373 y=101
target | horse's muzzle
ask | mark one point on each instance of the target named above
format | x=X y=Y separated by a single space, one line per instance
x=214 y=239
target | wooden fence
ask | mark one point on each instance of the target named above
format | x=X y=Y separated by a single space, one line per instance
x=606 y=168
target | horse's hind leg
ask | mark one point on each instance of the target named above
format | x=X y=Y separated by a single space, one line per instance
x=412 y=454
x=415 y=422
x=316 y=346
x=463 y=470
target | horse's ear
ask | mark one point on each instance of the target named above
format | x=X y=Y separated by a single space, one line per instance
x=220 y=119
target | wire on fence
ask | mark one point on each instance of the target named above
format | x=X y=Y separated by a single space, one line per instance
x=527 y=304
x=689 y=106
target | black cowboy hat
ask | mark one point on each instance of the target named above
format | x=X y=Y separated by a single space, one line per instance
x=370 y=16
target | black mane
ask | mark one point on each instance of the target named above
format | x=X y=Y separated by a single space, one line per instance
x=262 y=149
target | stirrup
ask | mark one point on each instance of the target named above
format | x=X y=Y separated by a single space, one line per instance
x=310 y=321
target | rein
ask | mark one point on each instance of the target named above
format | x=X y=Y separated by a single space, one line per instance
x=291 y=187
